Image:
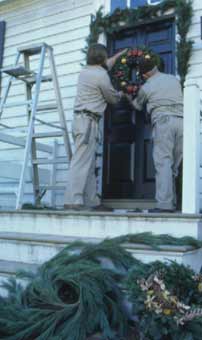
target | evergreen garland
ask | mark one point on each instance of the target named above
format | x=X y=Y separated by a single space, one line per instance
x=126 y=18
x=93 y=289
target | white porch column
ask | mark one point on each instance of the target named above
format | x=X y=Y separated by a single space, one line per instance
x=191 y=149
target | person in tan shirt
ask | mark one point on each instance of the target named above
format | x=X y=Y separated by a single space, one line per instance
x=94 y=92
x=162 y=95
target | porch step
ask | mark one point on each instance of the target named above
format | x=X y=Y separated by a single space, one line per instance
x=35 y=249
x=99 y=225
x=8 y=269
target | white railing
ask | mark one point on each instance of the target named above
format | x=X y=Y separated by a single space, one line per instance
x=191 y=149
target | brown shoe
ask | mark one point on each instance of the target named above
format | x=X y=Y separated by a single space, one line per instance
x=161 y=211
x=67 y=206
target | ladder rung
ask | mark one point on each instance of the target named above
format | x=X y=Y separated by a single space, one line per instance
x=32 y=49
x=17 y=71
x=60 y=160
x=32 y=80
x=52 y=187
x=48 y=134
x=28 y=76
x=20 y=141
x=47 y=107
x=49 y=124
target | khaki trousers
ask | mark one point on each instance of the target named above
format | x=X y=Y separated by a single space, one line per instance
x=81 y=185
x=167 y=155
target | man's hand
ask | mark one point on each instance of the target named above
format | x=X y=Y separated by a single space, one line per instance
x=118 y=54
x=129 y=98
x=111 y=61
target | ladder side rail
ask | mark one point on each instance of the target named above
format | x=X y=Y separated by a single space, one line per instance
x=5 y=95
x=67 y=143
x=54 y=174
x=35 y=172
x=30 y=130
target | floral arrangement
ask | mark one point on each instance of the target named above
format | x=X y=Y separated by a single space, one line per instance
x=167 y=301
x=160 y=301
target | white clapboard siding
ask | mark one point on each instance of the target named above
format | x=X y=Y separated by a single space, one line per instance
x=195 y=70
x=64 y=24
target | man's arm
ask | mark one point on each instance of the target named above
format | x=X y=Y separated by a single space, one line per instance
x=111 y=61
x=140 y=100
x=109 y=93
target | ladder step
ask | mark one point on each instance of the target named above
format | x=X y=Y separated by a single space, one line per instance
x=32 y=80
x=18 y=71
x=61 y=160
x=28 y=76
x=33 y=49
x=47 y=107
x=48 y=134
x=52 y=187
x=20 y=141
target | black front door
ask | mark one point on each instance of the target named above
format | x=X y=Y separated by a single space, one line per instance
x=128 y=171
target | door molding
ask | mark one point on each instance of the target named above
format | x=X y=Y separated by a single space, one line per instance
x=160 y=36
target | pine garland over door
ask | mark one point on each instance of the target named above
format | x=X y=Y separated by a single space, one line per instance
x=126 y=18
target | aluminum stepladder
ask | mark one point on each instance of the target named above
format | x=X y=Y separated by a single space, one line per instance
x=33 y=81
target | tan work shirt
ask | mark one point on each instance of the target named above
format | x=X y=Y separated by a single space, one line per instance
x=95 y=90
x=162 y=95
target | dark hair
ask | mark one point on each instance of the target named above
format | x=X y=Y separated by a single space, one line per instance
x=146 y=65
x=97 y=54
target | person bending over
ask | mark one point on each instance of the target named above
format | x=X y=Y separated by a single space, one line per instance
x=163 y=98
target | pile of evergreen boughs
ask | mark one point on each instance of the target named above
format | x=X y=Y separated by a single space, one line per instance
x=101 y=289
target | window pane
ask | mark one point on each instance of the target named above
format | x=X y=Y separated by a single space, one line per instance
x=118 y=4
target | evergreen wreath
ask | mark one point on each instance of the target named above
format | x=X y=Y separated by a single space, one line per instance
x=119 y=19
x=121 y=73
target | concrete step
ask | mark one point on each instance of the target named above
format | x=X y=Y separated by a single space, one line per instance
x=38 y=248
x=99 y=225
x=9 y=269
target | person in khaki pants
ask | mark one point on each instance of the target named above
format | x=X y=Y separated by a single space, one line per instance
x=163 y=98
x=94 y=92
